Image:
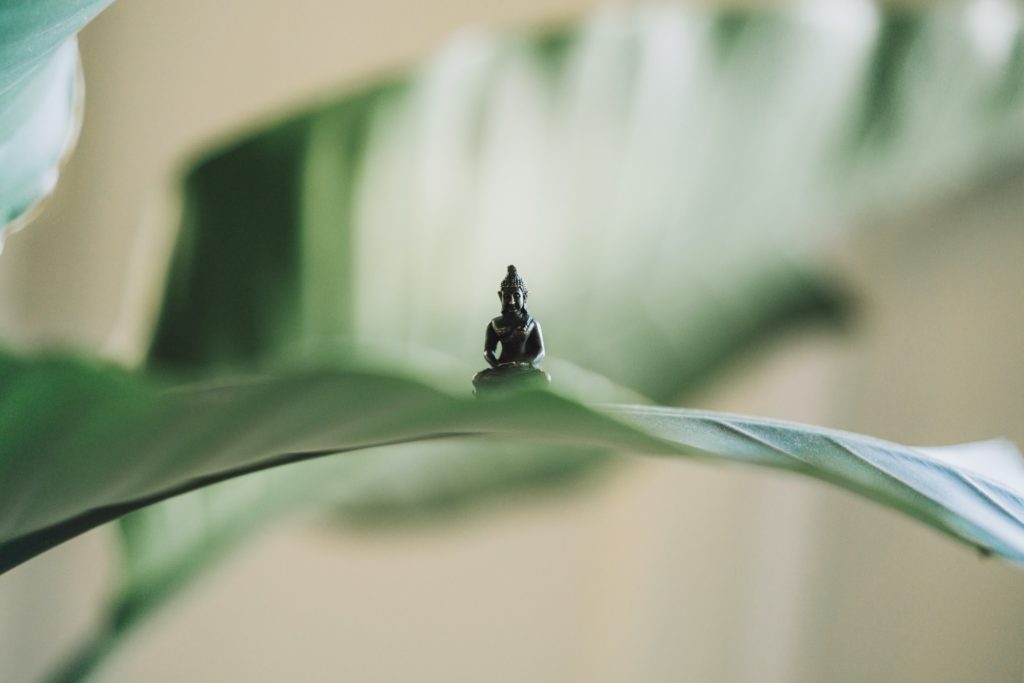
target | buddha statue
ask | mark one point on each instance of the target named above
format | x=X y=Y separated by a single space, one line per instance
x=522 y=345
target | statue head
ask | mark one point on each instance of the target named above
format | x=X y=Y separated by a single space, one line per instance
x=513 y=293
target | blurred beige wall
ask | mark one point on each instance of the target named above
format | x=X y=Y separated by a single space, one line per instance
x=664 y=571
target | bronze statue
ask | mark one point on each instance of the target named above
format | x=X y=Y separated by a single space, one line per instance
x=522 y=345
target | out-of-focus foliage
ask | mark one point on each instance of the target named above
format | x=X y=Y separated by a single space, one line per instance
x=40 y=98
x=660 y=176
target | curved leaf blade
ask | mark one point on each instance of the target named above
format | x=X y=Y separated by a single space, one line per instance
x=119 y=444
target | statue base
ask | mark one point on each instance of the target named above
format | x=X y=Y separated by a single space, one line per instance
x=509 y=378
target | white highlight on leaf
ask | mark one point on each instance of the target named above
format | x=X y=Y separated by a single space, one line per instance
x=993 y=26
x=996 y=459
x=855 y=20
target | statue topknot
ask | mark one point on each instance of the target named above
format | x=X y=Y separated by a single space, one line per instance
x=513 y=281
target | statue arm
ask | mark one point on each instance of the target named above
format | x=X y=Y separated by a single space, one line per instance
x=490 y=344
x=535 y=345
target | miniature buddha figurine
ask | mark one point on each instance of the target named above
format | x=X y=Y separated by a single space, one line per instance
x=522 y=345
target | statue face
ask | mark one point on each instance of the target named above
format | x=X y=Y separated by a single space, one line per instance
x=512 y=301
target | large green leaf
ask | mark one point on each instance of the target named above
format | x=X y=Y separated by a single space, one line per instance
x=40 y=98
x=84 y=444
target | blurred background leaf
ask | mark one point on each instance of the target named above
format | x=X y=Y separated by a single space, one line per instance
x=715 y=154
x=40 y=99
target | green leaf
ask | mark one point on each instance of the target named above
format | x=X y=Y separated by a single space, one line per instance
x=41 y=95
x=659 y=175
x=113 y=443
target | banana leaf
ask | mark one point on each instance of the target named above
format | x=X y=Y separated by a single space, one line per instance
x=84 y=443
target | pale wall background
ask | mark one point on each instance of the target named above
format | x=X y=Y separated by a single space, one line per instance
x=662 y=571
